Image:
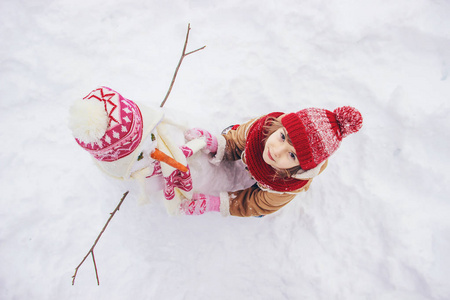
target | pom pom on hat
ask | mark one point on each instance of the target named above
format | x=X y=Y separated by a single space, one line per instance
x=349 y=120
x=88 y=120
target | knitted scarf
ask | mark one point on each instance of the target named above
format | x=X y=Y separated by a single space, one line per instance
x=263 y=173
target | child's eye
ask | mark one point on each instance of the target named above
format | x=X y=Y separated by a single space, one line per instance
x=293 y=156
x=283 y=137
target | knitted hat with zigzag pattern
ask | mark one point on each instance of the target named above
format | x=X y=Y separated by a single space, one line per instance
x=111 y=128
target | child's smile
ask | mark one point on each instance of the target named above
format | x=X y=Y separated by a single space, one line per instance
x=278 y=153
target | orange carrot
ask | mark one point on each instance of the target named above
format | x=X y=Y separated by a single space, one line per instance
x=161 y=156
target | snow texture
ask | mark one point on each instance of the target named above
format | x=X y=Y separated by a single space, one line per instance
x=374 y=225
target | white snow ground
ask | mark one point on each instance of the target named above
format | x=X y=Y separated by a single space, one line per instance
x=374 y=225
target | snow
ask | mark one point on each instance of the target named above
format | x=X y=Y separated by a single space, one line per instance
x=374 y=225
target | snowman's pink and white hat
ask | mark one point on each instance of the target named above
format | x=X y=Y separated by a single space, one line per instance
x=111 y=128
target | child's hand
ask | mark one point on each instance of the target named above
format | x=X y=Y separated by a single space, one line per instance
x=196 y=133
x=199 y=204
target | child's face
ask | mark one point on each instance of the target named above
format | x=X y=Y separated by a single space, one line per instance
x=278 y=153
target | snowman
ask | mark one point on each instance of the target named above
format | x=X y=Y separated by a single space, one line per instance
x=131 y=141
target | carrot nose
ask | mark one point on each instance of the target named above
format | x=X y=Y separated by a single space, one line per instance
x=161 y=156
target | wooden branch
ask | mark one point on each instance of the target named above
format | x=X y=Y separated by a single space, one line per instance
x=183 y=55
x=95 y=267
x=91 y=251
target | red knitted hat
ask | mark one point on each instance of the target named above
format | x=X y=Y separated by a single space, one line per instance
x=317 y=133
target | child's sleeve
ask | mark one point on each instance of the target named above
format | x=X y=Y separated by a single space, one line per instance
x=232 y=144
x=255 y=202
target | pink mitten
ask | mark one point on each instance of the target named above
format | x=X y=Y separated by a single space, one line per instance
x=211 y=141
x=200 y=204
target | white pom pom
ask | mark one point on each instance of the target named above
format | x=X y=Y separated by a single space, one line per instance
x=88 y=120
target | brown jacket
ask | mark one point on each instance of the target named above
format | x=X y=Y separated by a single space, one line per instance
x=253 y=201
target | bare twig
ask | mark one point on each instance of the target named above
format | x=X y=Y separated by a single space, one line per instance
x=183 y=55
x=95 y=267
x=91 y=251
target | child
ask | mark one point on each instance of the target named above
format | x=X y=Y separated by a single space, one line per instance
x=282 y=152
